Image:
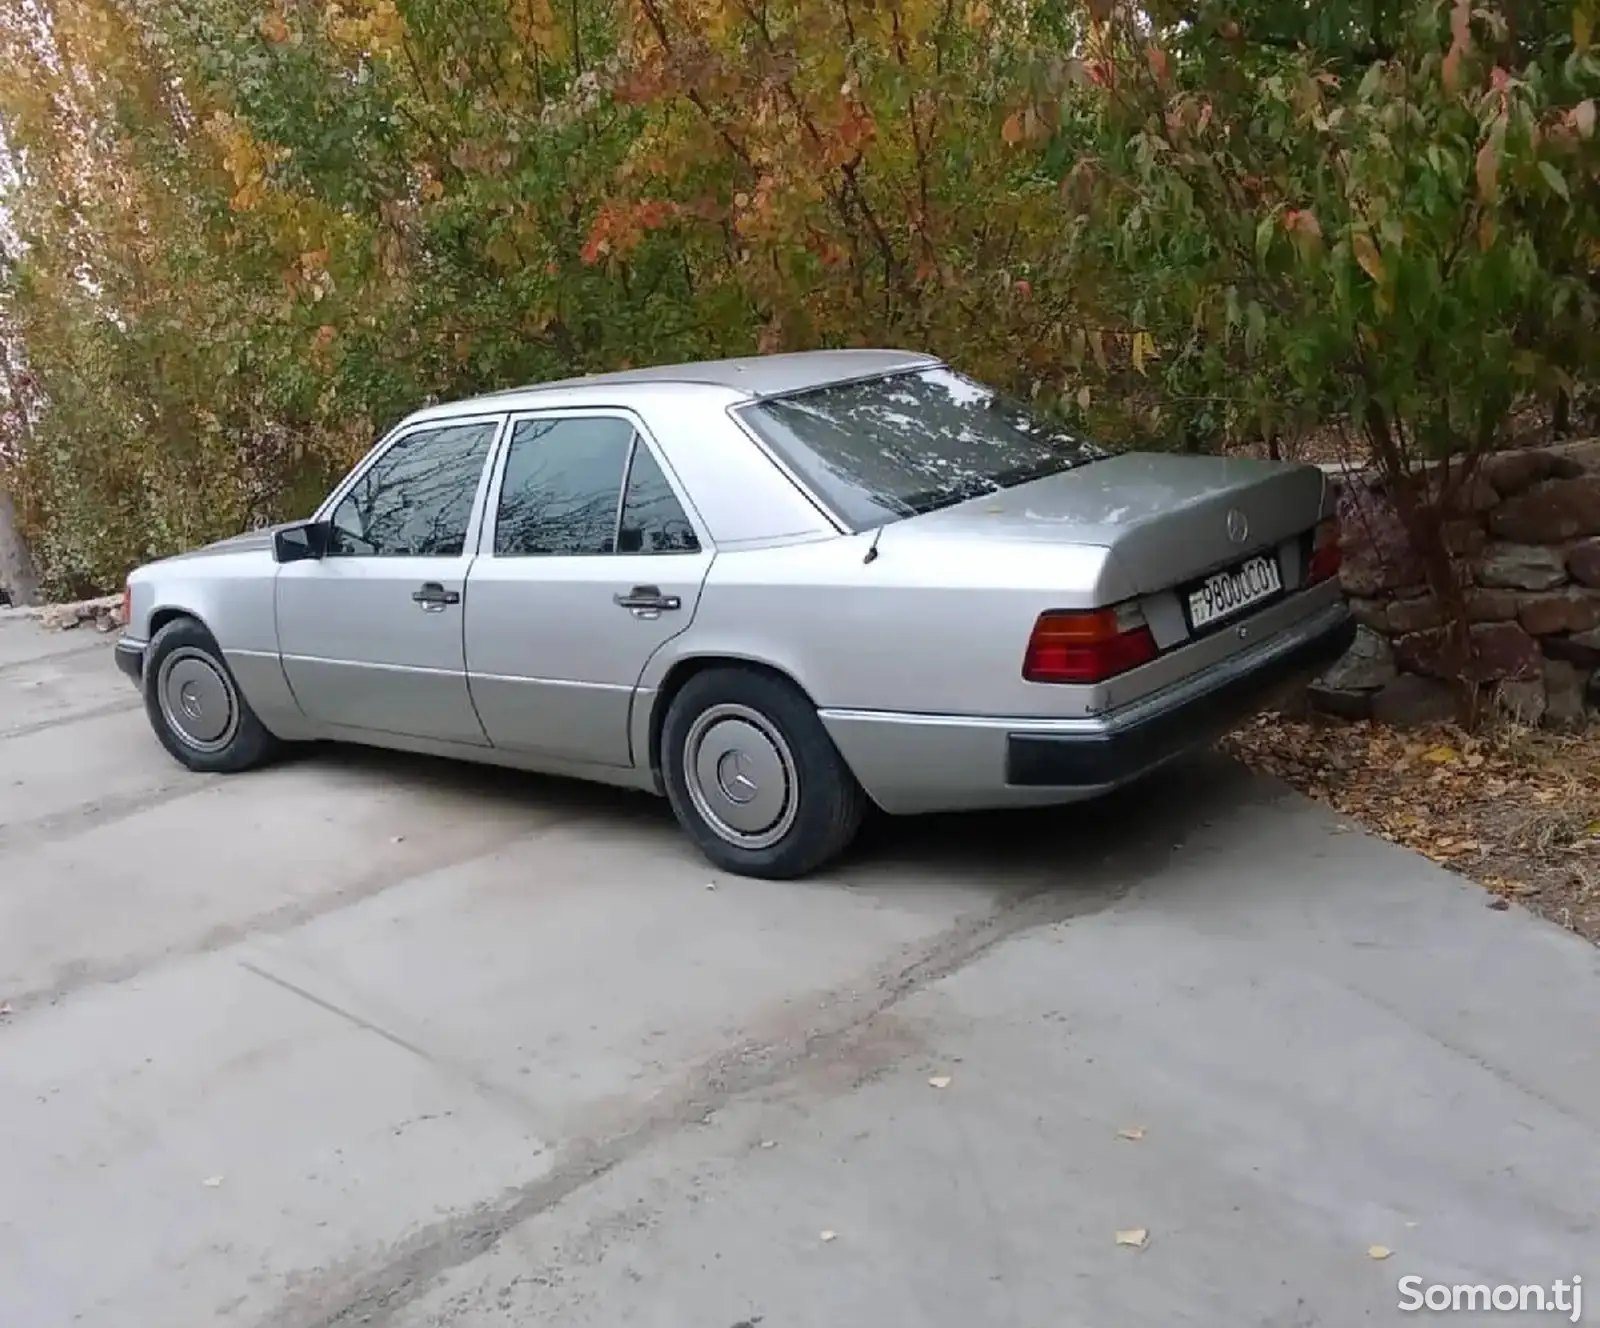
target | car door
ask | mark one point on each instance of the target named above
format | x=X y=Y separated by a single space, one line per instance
x=371 y=634
x=591 y=562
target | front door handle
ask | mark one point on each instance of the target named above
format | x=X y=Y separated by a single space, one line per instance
x=647 y=601
x=433 y=597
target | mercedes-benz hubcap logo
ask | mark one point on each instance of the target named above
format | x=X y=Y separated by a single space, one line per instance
x=736 y=783
x=1238 y=526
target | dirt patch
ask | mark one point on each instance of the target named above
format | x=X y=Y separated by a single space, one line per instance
x=1514 y=809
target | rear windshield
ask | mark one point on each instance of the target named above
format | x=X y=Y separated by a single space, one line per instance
x=894 y=447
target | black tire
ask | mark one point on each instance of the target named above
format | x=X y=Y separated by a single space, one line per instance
x=769 y=734
x=220 y=734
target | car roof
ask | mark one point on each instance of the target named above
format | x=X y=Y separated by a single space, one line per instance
x=751 y=377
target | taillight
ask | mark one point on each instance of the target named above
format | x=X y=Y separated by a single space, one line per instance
x=1084 y=647
x=127 y=602
x=1324 y=552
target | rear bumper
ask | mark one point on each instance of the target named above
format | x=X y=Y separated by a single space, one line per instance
x=130 y=660
x=924 y=763
x=1123 y=753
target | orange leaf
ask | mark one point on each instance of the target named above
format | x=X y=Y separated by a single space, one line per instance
x=1450 y=70
x=1011 y=130
x=1158 y=63
x=1488 y=172
x=1367 y=255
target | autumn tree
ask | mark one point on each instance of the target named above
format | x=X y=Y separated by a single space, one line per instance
x=1390 y=221
x=248 y=235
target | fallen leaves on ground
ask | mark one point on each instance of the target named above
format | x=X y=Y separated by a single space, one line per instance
x=1516 y=810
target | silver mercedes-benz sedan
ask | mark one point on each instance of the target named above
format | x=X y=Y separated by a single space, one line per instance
x=777 y=590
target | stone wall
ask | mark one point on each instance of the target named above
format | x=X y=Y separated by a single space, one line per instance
x=1527 y=542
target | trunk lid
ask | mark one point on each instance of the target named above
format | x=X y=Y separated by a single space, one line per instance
x=1166 y=519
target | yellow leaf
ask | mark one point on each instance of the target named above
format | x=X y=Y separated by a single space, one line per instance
x=1581 y=30
x=1134 y=1132
x=1367 y=255
x=1084 y=397
x=1137 y=1237
x=1144 y=348
x=1440 y=755
x=1379 y=1251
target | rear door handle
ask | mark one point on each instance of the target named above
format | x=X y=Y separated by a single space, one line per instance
x=433 y=597
x=647 y=601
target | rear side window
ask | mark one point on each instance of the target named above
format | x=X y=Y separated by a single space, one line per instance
x=653 y=520
x=894 y=447
x=562 y=484
x=416 y=499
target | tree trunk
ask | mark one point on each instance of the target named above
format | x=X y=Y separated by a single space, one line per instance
x=1422 y=512
x=17 y=575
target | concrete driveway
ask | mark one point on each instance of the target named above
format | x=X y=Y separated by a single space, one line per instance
x=364 y=1040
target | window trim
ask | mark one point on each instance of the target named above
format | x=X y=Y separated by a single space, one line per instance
x=399 y=434
x=491 y=503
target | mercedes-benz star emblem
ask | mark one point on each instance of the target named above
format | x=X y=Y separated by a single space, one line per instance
x=1238 y=526
x=736 y=784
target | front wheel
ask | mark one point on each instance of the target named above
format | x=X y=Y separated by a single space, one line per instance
x=753 y=777
x=196 y=708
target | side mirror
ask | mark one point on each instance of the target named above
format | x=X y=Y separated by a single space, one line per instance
x=294 y=544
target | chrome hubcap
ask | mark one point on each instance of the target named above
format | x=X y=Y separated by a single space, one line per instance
x=197 y=700
x=741 y=776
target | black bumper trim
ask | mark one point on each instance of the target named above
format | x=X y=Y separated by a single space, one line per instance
x=130 y=659
x=1073 y=761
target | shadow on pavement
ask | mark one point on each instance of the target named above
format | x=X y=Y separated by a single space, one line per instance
x=1135 y=829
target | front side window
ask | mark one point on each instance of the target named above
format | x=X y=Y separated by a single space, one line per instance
x=416 y=499
x=888 y=448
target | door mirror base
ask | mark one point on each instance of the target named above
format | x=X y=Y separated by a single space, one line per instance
x=300 y=543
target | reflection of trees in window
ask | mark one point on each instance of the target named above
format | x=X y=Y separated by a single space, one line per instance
x=913 y=442
x=562 y=481
x=653 y=521
x=416 y=500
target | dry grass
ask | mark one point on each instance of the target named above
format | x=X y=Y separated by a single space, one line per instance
x=1516 y=810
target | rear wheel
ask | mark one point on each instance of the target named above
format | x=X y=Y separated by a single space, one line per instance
x=753 y=777
x=195 y=706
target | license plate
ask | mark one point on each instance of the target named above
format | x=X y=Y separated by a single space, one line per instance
x=1226 y=593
